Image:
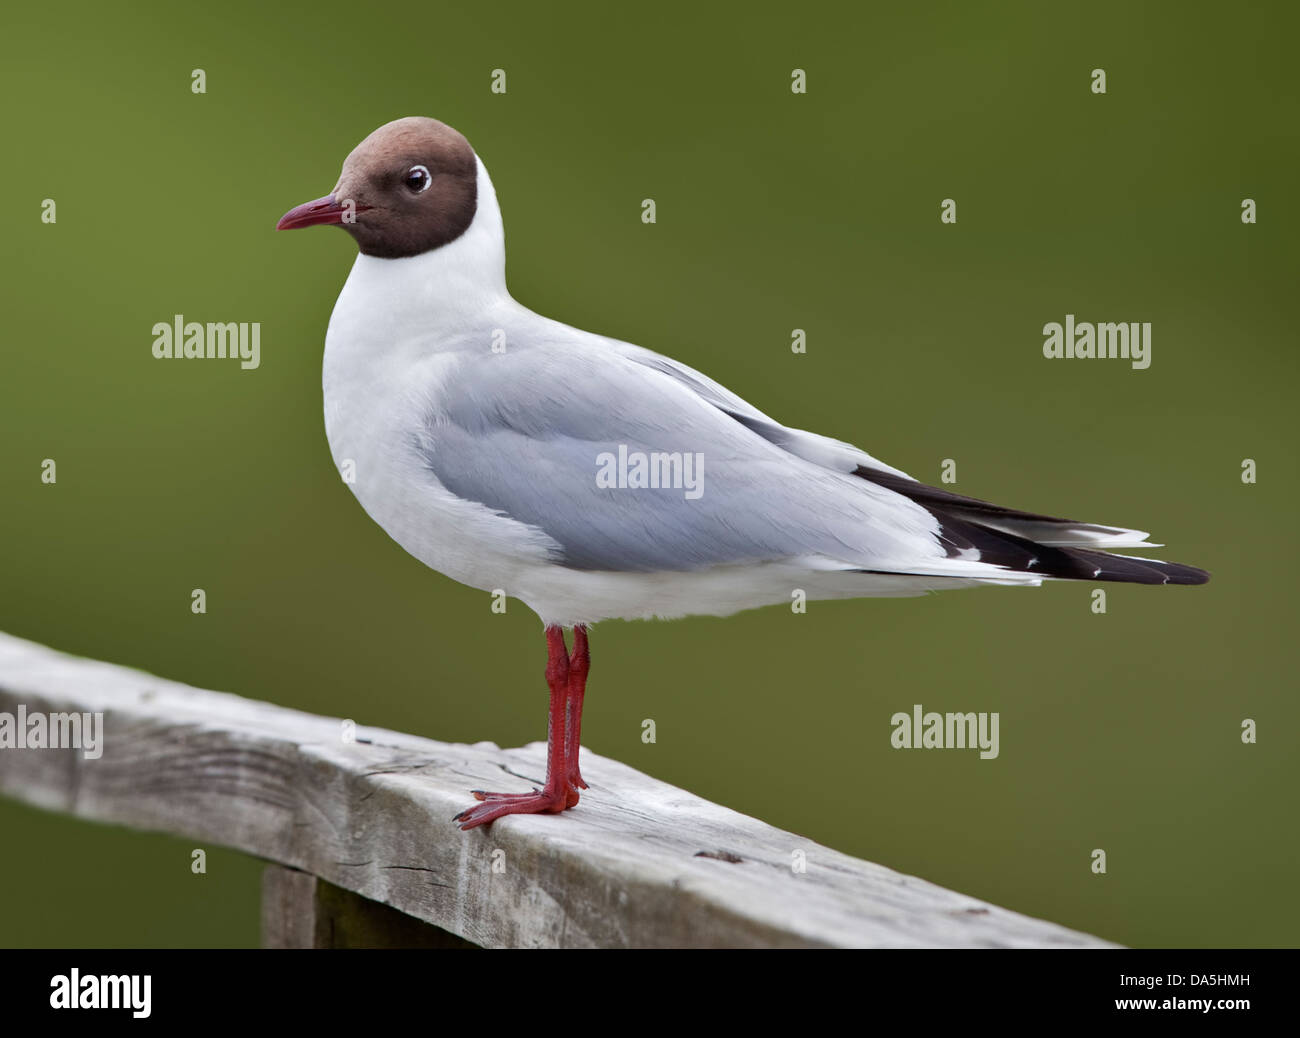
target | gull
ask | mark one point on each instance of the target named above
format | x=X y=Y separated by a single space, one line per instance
x=594 y=479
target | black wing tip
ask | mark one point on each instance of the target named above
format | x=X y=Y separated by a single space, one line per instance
x=1020 y=555
x=1089 y=565
x=961 y=527
x=1177 y=573
x=969 y=507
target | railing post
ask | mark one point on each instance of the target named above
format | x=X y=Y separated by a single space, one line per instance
x=301 y=911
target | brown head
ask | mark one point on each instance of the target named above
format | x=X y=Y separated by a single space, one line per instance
x=409 y=187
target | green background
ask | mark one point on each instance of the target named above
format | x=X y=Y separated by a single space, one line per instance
x=775 y=212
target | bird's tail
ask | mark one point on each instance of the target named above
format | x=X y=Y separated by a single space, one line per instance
x=1019 y=554
x=1026 y=542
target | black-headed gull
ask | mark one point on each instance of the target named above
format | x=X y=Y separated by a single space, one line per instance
x=591 y=478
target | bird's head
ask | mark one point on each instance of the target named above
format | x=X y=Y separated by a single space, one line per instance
x=410 y=187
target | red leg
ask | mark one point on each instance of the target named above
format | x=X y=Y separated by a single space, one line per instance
x=579 y=665
x=555 y=797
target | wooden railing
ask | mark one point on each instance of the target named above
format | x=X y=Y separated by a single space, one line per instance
x=356 y=827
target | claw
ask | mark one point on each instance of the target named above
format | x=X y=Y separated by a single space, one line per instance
x=502 y=804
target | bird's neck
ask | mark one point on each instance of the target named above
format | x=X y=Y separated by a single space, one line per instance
x=442 y=293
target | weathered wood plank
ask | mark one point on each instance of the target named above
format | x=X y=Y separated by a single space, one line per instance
x=638 y=863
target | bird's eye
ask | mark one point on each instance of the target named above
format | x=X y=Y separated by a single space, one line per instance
x=418 y=179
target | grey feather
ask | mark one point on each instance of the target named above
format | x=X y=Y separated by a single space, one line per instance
x=522 y=432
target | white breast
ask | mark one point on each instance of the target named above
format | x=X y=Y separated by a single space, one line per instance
x=387 y=352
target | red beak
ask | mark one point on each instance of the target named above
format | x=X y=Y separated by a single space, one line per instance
x=322 y=211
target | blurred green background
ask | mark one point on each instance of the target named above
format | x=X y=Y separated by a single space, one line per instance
x=775 y=212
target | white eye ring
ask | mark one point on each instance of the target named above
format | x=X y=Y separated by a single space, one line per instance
x=410 y=173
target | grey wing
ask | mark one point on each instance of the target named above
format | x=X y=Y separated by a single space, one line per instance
x=820 y=450
x=537 y=435
x=844 y=457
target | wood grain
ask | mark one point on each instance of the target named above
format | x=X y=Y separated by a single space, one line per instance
x=638 y=863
